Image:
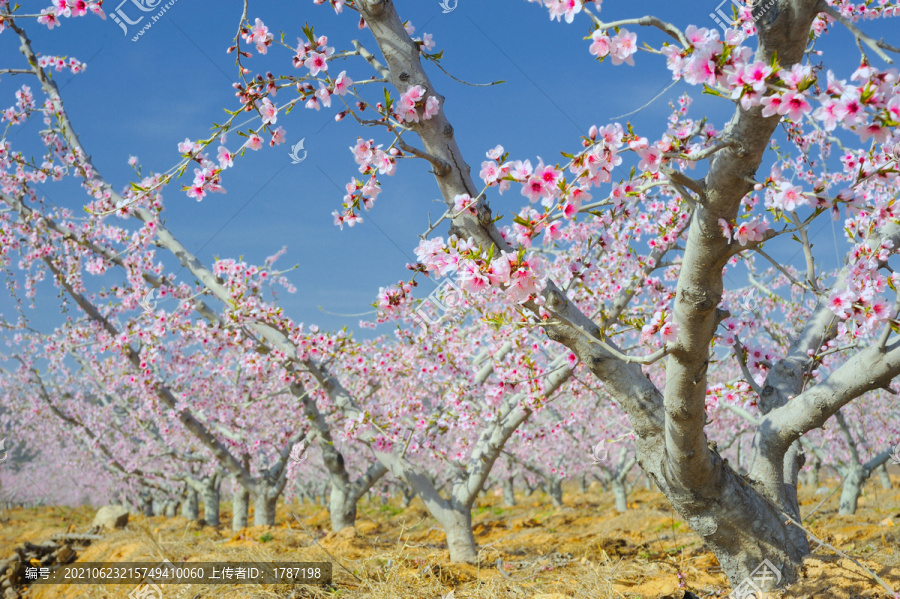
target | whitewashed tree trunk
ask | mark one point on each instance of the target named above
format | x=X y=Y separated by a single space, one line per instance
x=509 y=491
x=190 y=507
x=342 y=508
x=620 y=493
x=265 y=502
x=171 y=508
x=457 y=525
x=813 y=474
x=556 y=493
x=240 y=506
x=210 y=497
x=345 y=495
x=884 y=478
x=406 y=495
x=851 y=490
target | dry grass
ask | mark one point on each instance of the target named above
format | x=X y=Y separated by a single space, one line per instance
x=583 y=550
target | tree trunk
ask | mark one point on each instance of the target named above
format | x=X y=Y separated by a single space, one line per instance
x=851 y=490
x=190 y=509
x=556 y=491
x=342 y=508
x=582 y=484
x=171 y=509
x=406 y=495
x=264 y=506
x=147 y=506
x=211 y=502
x=813 y=474
x=457 y=525
x=604 y=482
x=648 y=483
x=240 y=505
x=743 y=528
x=509 y=491
x=620 y=493
x=884 y=478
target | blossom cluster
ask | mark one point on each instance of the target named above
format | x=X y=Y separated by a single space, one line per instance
x=862 y=301
x=746 y=231
x=564 y=9
x=372 y=161
x=313 y=54
x=67 y=8
x=258 y=35
x=662 y=322
x=412 y=100
x=524 y=277
x=59 y=63
x=620 y=47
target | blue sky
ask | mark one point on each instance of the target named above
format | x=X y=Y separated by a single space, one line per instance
x=142 y=98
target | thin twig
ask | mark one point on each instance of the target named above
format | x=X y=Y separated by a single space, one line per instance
x=458 y=80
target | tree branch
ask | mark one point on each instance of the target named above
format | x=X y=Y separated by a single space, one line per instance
x=878 y=46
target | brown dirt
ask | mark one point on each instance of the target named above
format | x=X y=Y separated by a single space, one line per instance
x=583 y=550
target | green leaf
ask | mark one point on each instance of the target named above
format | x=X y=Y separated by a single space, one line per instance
x=712 y=92
x=308 y=31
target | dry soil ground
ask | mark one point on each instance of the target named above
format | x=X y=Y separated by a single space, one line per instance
x=583 y=550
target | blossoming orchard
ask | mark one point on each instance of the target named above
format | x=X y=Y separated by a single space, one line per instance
x=643 y=305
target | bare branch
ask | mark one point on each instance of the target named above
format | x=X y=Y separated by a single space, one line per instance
x=807 y=251
x=370 y=58
x=679 y=178
x=645 y=21
x=704 y=153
